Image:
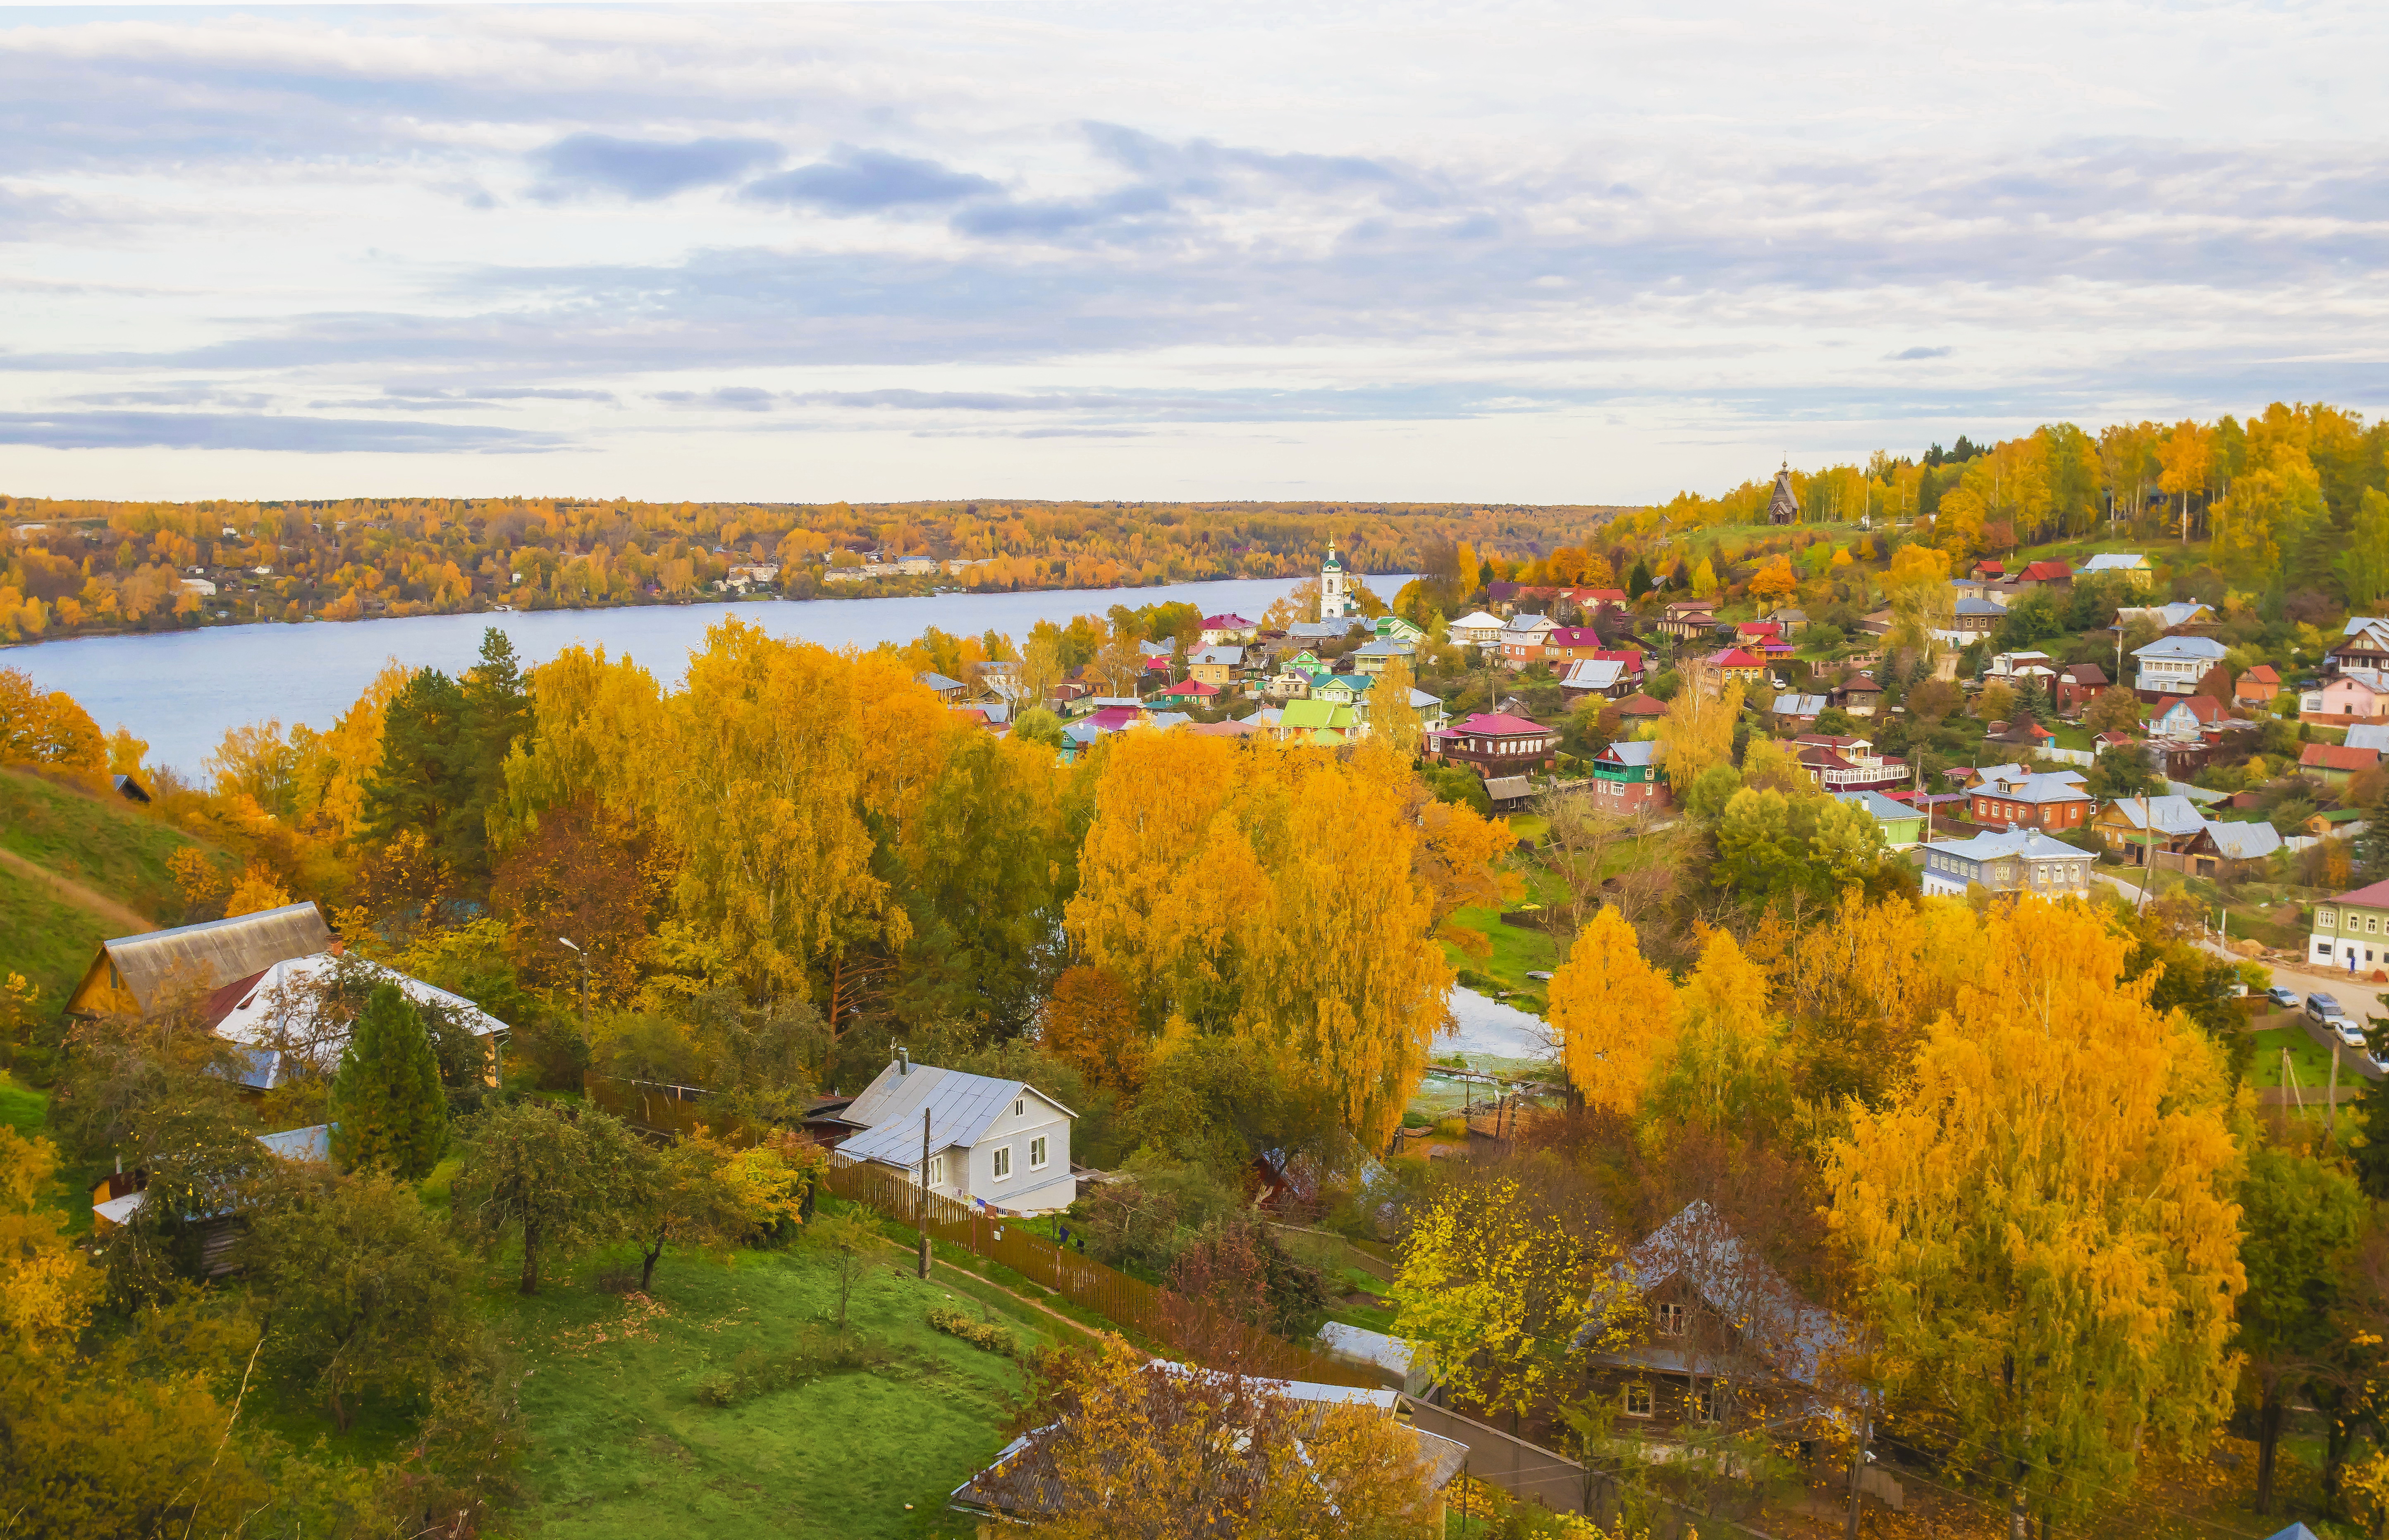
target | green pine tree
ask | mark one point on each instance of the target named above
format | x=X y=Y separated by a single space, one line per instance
x=387 y=1100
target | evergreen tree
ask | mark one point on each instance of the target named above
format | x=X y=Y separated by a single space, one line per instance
x=1637 y=583
x=386 y=1099
x=2032 y=699
x=424 y=781
x=497 y=711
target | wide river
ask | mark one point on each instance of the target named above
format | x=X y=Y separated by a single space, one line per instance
x=181 y=689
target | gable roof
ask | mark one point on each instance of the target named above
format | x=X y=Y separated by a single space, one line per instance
x=1592 y=674
x=1733 y=657
x=2241 y=841
x=1316 y=714
x=1499 y=724
x=2206 y=708
x=1799 y=705
x=1797 y=1338
x=1226 y=623
x=961 y=1107
x=1476 y=621
x=1640 y=704
x=2042 y=572
x=2262 y=674
x=2031 y=844
x=1632 y=751
x=2118 y=561
x=1230 y=656
x=1979 y=606
x=2086 y=673
x=2373 y=735
x=2337 y=757
x=2193 y=649
x=209 y=955
x=2165 y=815
x=1882 y=808
x=938 y=682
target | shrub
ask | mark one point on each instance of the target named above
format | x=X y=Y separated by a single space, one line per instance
x=759 y=1372
x=986 y=1334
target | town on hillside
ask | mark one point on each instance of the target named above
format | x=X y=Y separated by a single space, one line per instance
x=1799 y=1027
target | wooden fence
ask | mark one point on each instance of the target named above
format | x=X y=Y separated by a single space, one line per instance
x=1195 y=1328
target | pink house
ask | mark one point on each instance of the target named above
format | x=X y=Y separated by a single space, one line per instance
x=2354 y=696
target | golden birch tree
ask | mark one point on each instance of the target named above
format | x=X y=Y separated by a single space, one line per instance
x=1614 y=1012
x=1393 y=721
x=2044 y=1222
x=1698 y=732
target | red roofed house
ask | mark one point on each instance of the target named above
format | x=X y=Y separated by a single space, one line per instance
x=1639 y=706
x=1497 y=744
x=2037 y=573
x=1192 y=690
x=1218 y=628
x=2187 y=720
x=2333 y=764
x=1572 y=644
x=1990 y=570
x=2257 y=686
x=1729 y=666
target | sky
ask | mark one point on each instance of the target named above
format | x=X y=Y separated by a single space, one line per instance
x=1490 y=253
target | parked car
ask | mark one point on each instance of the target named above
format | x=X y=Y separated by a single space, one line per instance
x=2286 y=998
x=2348 y=1032
x=2322 y=1008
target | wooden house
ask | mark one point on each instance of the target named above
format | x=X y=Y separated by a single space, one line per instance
x=143 y=975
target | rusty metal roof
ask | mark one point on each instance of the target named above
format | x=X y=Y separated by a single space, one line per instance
x=207 y=957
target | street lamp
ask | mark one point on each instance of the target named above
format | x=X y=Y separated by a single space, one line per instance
x=584 y=976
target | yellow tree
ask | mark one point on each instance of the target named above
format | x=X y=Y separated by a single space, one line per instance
x=2185 y=453
x=1698 y=732
x=2043 y=1220
x=1616 y=1015
x=1393 y=721
x=1721 y=1069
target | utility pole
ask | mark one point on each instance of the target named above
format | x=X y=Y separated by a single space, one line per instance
x=924 y=1215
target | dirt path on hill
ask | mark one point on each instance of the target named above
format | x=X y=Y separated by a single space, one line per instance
x=82 y=898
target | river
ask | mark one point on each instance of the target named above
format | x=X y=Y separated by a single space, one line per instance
x=182 y=690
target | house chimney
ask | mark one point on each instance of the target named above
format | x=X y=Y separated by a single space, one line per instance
x=904 y=1061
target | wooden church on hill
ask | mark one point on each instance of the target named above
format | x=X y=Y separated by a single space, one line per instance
x=1783 y=508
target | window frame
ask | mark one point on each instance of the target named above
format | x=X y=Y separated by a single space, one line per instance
x=1636 y=1389
x=1000 y=1160
x=937 y=1171
x=1670 y=1319
x=1039 y=1153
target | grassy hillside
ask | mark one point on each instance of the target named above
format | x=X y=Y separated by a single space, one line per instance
x=46 y=939
x=100 y=842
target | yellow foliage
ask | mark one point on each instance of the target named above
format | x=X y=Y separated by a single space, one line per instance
x=257 y=890
x=1698 y=732
x=1616 y=1015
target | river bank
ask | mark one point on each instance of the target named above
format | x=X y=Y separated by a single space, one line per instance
x=182 y=690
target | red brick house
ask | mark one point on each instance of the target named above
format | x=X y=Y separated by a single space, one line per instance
x=2054 y=802
x=2077 y=685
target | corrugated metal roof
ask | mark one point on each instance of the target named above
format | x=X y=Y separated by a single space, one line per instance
x=960 y=1105
x=205 y=956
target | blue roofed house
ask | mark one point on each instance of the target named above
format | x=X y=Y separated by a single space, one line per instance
x=998 y=1144
x=2022 y=860
x=2174 y=664
x=2130 y=566
x=1901 y=826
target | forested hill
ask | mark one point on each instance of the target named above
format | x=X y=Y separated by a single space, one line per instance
x=78 y=568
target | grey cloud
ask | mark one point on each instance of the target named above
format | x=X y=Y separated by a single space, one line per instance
x=222 y=430
x=1061 y=217
x=193 y=394
x=1205 y=165
x=1907 y=354
x=864 y=180
x=644 y=169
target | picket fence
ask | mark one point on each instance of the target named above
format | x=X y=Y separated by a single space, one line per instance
x=1194 y=1326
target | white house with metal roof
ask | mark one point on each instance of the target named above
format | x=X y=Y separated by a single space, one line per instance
x=2174 y=664
x=1476 y=630
x=2022 y=860
x=1003 y=1144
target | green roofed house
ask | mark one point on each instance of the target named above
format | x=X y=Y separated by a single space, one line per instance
x=1316 y=721
x=1902 y=825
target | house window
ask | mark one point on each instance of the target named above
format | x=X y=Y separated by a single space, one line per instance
x=1637 y=1401
x=1002 y=1162
x=1020 y=1107
x=2325 y=920
x=936 y=1170
x=1037 y=1152
x=1705 y=1403
x=1671 y=1320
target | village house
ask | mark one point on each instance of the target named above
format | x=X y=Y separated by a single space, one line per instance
x=1318 y=721
x=2182 y=615
x=1497 y=744
x=2147 y=826
x=2256 y=688
x=2077 y=685
x=1217 y=665
x=1474 y=629
x=1629 y=777
x=2174 y=664
x=1972 y=617
x=951 y=691
x=1838 y=764
x=1729 y=1343
x=2049 y=574
x=1370 y=657
x=2366 y=651
x=2015 y=668
x=1001 y=1145
x=1393 y=627
x=1522 y=639
x=2334 y=764
x=2187 y=720
x=2054 y=801
x=1796 y=712
x=1857 y=695
x=1192 y=691
x=1900 y=825
x=2019 y=861
x=1729 y=666
x=2130 y=566
x=1219 y=628
x=1603 y=676
x=2231 y=850
x=2361 y=696
x=2351 y=931
x=1572 y=644
x=1688 y=619
x=1639 y=708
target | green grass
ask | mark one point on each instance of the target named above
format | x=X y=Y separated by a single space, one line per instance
x=624 y=1449
x=2308 y=1057
x=46 y=939
x=1517 y=950
x=104 y=844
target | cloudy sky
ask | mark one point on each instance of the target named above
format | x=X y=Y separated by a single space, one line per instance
x=1533 y=253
